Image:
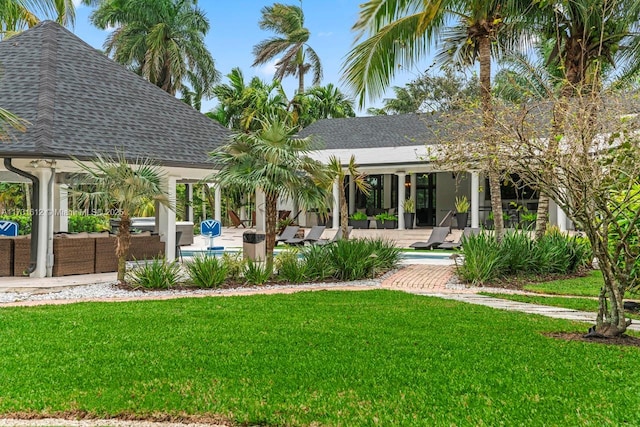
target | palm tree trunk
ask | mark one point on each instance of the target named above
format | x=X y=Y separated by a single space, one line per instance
x=493 y=169
x=271 y=202
x=301 y=78
x=123 y=243
x=344 y=212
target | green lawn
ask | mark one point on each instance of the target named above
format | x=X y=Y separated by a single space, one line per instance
x=323 y=358
x=588 y=286
x=582 y=304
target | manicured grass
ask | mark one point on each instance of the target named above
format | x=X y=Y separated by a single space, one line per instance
x=582 y=304
x=588 y=286
x=330 y=358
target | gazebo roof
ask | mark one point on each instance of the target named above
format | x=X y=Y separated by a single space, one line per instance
x=79 y=103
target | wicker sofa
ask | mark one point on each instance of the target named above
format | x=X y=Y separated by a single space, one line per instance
x=81 y=253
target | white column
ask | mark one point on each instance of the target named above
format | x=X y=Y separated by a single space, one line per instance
x=561 y=218
x=414 y=186
x=352 y=195
x=217 y=215
x=167 y=228
x=475 y=199
x=44 y=234
x=401 y=197
x=190 y=216
x=261 y=201
x=61 y=205
x=336 y=205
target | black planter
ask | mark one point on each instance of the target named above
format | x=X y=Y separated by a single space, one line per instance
x=388 y=224
x=408 y=220
x=462 y=219
x=359 y=223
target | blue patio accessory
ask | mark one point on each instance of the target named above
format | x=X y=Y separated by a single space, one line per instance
x=8 y=228
x=211 y=228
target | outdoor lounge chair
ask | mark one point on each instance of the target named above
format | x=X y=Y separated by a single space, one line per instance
x=335 y=238
x=437 y=237
x=312 y=236
x=467 y=232
x=236 y=221
x=289 y=233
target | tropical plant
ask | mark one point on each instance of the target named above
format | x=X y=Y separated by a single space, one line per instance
x=271 y=160
x=155 y=274
x=385 y=216
x=257 y=273
x=409 y=206
x=290 y=267
x=124 y=186
x=207 y=271
x=90 y=223
x=234 y=264
x=162 y=40
x=358 y=216
x=318 y=263
x=287 y=21
x=17 y=15
x=462 y=204
x=360 y=181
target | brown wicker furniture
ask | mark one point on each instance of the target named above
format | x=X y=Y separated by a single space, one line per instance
x=106 y=260
x=21 y=255
x=6 y=256
x=73 y=254
x=145 y=246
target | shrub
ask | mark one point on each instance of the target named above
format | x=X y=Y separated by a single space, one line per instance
x=234 y=265
x=155 y=274
x=358 y=216
x=257 y=273
x=89 y=223
x=207 y=271
x=555 y=253
x=361 y=258
x=318 y=262
x=290 y=267
x=384 y=216
x=387 y=255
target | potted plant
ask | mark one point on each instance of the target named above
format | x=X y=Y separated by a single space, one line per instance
x=409 y=207
x=462 y=211
x=386 y=220
x=527 y=219
x=359 y=220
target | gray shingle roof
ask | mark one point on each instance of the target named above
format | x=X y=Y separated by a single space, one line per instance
x=374 y=132
x=79 y=103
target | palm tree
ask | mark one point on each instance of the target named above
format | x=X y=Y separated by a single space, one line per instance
x=242 y=107
x=124 y=187
x=161 y=40
x=17 y=15
x=272 y=161
x=401 y=32
x=288 y=22
x=359 y=178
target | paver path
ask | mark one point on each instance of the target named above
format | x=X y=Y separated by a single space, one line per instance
x=421 y=276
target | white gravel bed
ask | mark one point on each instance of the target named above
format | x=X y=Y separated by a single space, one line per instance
x=109 y=290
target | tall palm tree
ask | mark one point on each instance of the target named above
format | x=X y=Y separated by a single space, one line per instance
x=401 y=33
x=124 y=187
x=17 y=15
x=359 y=178
x=319 y=102
x=288 y=22
x=271 y=160
x=162 y=40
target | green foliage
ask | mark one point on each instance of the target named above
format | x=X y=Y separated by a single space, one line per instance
x=155 y=274
x=462 y=204
x=409 y=205
x=318 y=262
x=486 y=259
x=207 y=271
x=385 y=216
x=626 y=206
x=290 y=267
x=362 y=258
x=257 y=273
x=90 y=223
x=358 y=216
x=23 y=220
x=589 y=285
x=234 y=264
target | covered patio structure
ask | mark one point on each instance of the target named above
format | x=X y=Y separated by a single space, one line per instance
x=79 y=103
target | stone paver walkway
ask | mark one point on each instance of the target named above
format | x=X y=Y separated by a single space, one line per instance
x=421 y=276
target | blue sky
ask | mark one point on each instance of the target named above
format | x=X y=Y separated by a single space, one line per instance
x=234 y=31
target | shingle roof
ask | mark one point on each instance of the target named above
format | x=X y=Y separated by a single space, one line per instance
x=374 y=132
x=79 y=103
